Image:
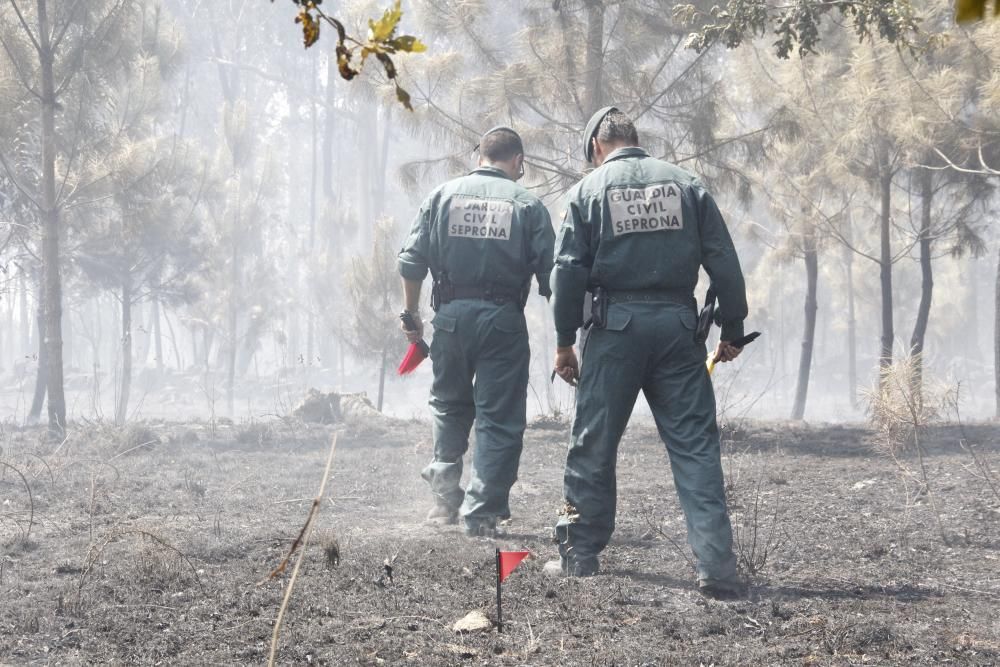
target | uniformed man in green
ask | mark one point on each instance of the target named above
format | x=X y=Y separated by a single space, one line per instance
x=483 y=237
x=635 y=232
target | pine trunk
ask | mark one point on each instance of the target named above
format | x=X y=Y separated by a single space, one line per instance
x=50 y=233
x=996 y=337
x=41 y=375
x=809 y=333
x=885 y=262
x=926 y=283
x=23 y=310
x=852 y=331
x=125 y=387
x=157 y=336
x=594 y=63
x=233 y=323
x=381 y=377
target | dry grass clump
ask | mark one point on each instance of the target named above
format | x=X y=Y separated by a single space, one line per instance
x=255 y=433
x=901 y=407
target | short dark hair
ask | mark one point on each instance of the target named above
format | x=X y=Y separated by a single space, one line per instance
x=501 y=145
x=617 y=128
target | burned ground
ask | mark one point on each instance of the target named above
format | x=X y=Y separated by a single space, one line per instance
x=150 y=546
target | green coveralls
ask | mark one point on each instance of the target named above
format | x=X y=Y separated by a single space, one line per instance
x=640 y=228
x=481 y=231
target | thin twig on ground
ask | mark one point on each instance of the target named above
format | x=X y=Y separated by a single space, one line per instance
x=302 y=540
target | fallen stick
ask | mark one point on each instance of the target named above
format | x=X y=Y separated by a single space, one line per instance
x=302 y=540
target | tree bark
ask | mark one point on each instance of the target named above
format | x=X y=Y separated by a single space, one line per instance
x=233 y=323
x=852 y=328
x=157 y=335
x=173 y=342
x=311 y=250
x=885 y=259
x=381 y=378
x=125 y=387
x=26 y=345
x=41 y=376
x=996 y=337
x=809 y=332
x=926 y=282
x=50 y=232
x=594 y=62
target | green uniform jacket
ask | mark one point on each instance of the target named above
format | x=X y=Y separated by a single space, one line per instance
x=638 y=223
x=483 y=230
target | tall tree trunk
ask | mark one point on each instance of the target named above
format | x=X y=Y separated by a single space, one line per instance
x=996 y=337
x=157 y=335
x=332 y=219
x=809 y=330
x=885 y=258
x=852 y=327
x=311 y=250
x=23 y=309
x=173 y=341
x=594 y=62
x=50 y=232
x=125 y=387
x=232 y=328
x=42 y=374
x=381 y=377
x=926 y=282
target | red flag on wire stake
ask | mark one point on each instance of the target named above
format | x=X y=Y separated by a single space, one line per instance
x=509 y=560
x=506 y=562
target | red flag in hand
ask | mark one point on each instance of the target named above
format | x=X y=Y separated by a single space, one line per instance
x=417 y=352
x=509 y=560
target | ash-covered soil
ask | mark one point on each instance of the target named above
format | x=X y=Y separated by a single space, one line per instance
x=150 y=545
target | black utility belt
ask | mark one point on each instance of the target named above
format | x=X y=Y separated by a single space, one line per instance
x=682 y=297
x=603 y=297
x=498 y=295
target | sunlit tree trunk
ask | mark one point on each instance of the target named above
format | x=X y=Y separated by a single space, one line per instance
x=332 y=218
x=50 y=231
x=23 y=315
x=157 y=335
x=381 y=377
x=173 y=341
x=125 y=387
x=885 y=257
x=811 y=261
x=233 y=319
x=926 y=282
x=311 y=250
x=852 y=322
x=996 y=337
x=594 y=62
x=42 y=372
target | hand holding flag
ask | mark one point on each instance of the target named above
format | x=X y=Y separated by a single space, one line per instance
x=418 y=350
x=739 y=344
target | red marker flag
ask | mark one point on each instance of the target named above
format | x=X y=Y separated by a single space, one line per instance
x=506 y=562
x=417 y=352
x=509 y=560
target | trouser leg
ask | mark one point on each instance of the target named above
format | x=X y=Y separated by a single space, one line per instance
x=452 y=412
x=501 y=386
x=609 y=385
x=679 y=391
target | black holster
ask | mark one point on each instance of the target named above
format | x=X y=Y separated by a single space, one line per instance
x=599 y=308
x=705 y=318
x=441 y=291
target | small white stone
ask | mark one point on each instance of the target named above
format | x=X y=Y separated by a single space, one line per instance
x=474 y=621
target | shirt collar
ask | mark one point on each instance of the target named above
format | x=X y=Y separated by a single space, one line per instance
x=626 y=151
x=489 y=170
